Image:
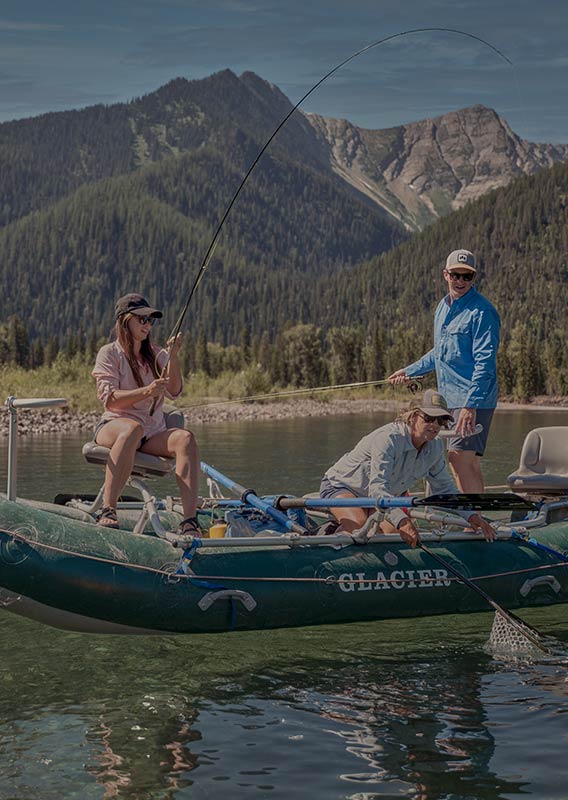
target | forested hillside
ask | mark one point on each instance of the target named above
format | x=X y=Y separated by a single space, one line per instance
x=301 y=327
x=63 y=267
x=46 y=158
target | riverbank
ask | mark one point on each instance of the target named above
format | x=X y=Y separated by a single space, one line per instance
x=58 y=420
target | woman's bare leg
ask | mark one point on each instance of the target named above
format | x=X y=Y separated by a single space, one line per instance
x=181 y=444
x=123 y=437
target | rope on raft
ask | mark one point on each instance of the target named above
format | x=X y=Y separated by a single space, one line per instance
x=330 y=579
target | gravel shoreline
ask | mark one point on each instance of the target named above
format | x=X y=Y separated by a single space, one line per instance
x=57 y=420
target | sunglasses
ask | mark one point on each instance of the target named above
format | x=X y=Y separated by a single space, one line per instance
x=429 y=420
x=463 y=276
x=145 y=320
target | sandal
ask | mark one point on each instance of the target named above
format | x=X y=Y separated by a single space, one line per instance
x=108 y=518
x=329 y=528
x=189 y=528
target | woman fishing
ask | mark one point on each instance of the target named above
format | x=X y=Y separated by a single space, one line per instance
x=127 y=372
x=389 y=461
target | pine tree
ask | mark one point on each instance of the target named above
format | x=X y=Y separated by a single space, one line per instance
x=264 y=352
x=374 y=357
x=245 y=345
x=71 y=346
x=202 y=354
x=37 y=356
x=18 y=342
x=92 y=345
x=278 y=370
x=51 y=350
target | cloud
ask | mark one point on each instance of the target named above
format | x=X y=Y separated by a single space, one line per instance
x=15 y=25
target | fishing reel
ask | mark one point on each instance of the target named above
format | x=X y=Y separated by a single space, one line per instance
x=415 y=385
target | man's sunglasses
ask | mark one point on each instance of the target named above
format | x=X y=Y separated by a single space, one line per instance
x=464 y=276
x=145 y=320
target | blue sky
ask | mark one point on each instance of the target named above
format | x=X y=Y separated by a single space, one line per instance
x=71 y=53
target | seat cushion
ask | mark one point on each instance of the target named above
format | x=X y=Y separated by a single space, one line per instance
x=543 y=465
x=538 y=483
x=144 y=464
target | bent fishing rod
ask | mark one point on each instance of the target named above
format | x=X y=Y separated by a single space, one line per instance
x=214 y=241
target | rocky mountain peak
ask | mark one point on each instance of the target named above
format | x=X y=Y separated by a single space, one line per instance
x=423 y=170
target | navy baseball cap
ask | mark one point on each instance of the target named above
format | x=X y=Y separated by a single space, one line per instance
x=135 y=304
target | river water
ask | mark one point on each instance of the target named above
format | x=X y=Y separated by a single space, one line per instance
x=412 y=708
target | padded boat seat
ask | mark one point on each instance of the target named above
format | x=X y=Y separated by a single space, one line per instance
x=144 y=464
x=543 y=464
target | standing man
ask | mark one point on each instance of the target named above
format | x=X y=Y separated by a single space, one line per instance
x=466 y=339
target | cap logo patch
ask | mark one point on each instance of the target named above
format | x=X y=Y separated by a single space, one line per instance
x=437 y=401
x=462 y=258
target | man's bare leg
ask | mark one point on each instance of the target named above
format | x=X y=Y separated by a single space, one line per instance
x=466 y=468
x=350 y=519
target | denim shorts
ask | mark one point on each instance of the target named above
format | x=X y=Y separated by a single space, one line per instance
x=478 y=442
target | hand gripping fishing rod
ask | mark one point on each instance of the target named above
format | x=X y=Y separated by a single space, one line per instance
x=211 y=249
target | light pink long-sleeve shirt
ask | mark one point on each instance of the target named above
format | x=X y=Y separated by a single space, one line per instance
x=112 y=371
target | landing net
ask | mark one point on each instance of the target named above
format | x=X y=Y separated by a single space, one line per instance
x=514 y=639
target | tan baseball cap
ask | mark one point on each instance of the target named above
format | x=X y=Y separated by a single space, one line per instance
x=461 y=258
x=432 y=403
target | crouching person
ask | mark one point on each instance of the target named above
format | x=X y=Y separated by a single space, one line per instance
x=389 y=461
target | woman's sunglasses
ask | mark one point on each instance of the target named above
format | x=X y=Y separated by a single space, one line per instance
x=463 y=276
x=145 y=320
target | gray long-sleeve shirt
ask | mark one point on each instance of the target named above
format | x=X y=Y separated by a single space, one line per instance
x=385 y=463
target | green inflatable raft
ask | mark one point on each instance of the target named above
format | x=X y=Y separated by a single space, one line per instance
x=60 y=570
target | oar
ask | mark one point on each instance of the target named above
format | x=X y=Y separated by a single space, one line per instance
x=478 y=502
x=250 y=497
x=464 y=502
x=521 y=627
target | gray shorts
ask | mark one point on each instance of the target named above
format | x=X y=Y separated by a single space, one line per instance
x=479 y=441
x=328 y=490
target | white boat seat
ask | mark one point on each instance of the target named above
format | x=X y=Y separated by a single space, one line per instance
x=543 y=465
x=144 y=464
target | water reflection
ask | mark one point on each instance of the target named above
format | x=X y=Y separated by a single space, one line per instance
x=131 y=753
x=374 y=710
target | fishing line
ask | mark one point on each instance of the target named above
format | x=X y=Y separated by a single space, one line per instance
x=412 y=386
x=211 y=249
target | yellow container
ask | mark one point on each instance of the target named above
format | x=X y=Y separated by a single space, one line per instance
x=217 y=531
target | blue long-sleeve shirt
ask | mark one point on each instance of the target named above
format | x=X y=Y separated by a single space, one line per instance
x=466 y=339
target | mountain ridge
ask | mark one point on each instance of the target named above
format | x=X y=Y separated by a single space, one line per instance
x=423 y=170
x=415 y=172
